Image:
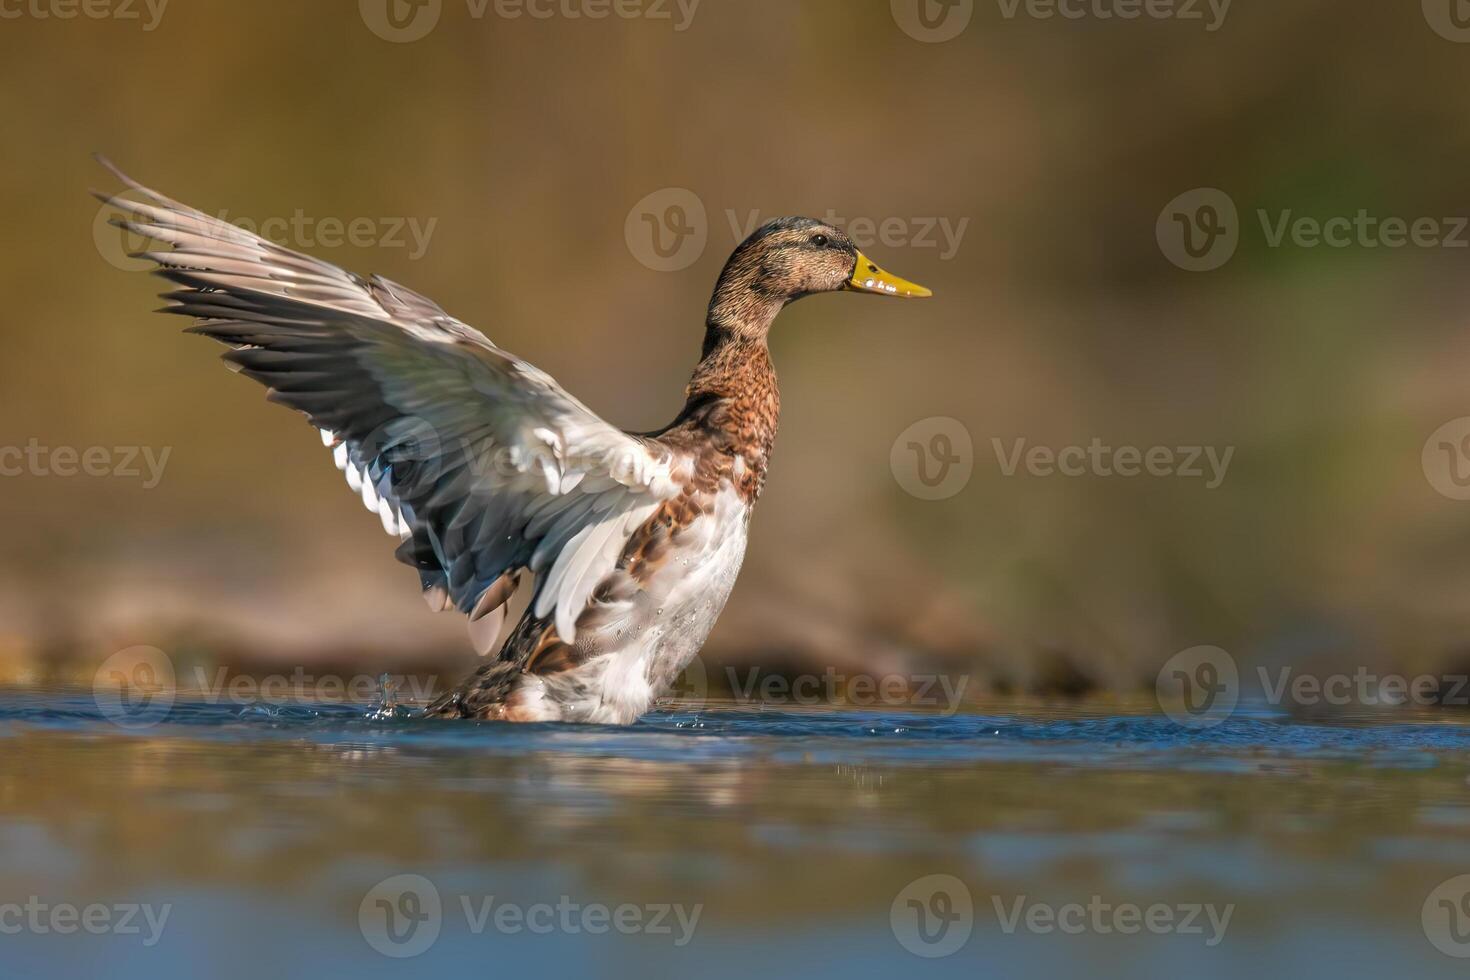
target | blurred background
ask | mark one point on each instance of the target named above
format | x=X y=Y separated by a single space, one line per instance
x=571 y=185
x=1194 y=378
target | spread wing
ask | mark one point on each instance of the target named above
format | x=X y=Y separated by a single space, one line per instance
x=479 y=462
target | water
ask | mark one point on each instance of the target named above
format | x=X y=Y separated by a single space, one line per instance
x=734 y=842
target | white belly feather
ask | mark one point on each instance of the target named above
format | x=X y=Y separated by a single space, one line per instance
x=644 y=648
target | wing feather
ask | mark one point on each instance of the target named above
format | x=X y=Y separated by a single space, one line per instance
x=478 y=460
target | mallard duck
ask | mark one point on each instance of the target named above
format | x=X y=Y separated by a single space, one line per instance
x=488 y=471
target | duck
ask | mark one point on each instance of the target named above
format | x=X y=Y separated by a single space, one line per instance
x=489 y=473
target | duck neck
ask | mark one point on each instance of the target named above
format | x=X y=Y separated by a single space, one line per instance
x=733 y=397
x=732 y=367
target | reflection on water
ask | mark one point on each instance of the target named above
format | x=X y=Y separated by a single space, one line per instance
x=791 y=833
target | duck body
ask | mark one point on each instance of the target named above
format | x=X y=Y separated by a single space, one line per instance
x=631 y=647
x=487 y=471
x=650 y=616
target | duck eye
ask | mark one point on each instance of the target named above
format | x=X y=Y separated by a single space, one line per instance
x=820 y=241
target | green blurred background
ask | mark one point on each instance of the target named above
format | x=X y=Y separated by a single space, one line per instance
x=528 y=143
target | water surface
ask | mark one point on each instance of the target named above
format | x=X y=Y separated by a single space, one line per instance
x=790 y=842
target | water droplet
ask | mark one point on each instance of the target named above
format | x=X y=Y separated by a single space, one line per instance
x=386 y=706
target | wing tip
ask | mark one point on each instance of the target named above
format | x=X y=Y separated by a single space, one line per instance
x=485 y=632
x=116 y=171
x=106 y=162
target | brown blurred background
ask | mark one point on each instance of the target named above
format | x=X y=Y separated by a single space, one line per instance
x=523 y=145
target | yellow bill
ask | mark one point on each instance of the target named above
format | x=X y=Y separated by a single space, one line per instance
x=868 y=278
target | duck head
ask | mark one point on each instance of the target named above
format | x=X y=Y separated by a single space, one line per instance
x=787 y=259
